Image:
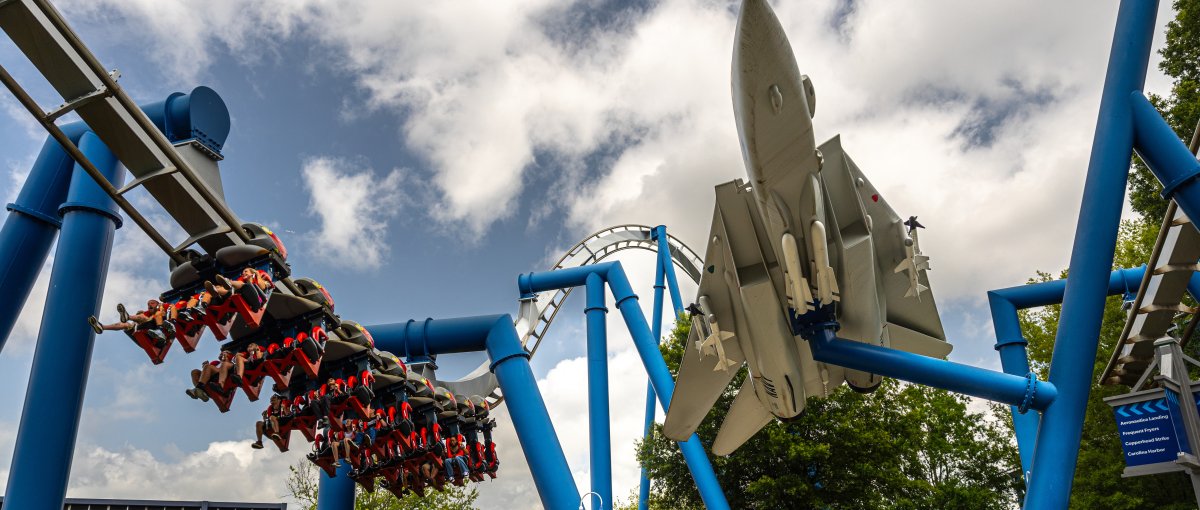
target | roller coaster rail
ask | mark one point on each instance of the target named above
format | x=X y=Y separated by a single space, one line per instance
x=536 y=314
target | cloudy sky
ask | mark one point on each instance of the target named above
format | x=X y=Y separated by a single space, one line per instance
x=417 y=156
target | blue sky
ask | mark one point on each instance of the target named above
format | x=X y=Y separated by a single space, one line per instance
x=416 y=157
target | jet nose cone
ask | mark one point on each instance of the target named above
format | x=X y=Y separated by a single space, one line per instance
x=759 y=37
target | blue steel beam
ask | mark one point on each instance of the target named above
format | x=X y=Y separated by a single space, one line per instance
x=49 y=425
x=1166 y=155
x=647 y=347
x=948 y=375
x=335 y=493
x=656 y=330
x=598 y=412
x=31 y=227
x=1010 y=343
x=496 y=335
x=1075 y=345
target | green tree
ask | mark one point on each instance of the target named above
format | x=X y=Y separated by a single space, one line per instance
x=302 y=487
x=903 y=446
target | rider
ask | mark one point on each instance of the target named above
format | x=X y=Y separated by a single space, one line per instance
x=152 y=320
x=200 y=377
x=253 y=285
x=270 y=422
x=456 y=457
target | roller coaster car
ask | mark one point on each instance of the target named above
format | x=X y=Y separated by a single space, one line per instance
x=447 y=412
x=392 y=365
x=322 y=455
x=424 y=404
x=293 y=333
x=223 y=395
x=262 y=236
x=304 y=351
x=313 y=291
x=352 y=400
x=303 y=419
x=353 y=332
x=469 y=435
x=401 y=483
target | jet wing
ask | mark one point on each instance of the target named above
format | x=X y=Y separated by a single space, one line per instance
x=889 y=232
x=700 y=384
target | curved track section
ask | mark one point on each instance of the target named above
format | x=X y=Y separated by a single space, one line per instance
x=537 y=314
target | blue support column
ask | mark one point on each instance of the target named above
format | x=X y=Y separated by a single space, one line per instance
x=647 y=347
x=948 y=375
x=1071 y=368
x=510 y=363
x=547 y=462
x=1010 y=343
x=664 y=270
x=656 y=329
x=598 y=412
x=664 y=386
x=335 y=493
x=30 y=229
x=50 y=421
x=1166 y=155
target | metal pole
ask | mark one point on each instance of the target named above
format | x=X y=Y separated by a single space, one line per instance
x=598 y=412
x=664 y=386
x=50 y=420
x=664 y=253
x=1075 y=345
x=1010 y=342
x=29 y=231
x=656 y=327
x=510 y=363
x=966 y=379
x=336 y=493
x=547 y=462
x=660 y=377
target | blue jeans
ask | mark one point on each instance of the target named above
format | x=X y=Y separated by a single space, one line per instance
x=459 y=461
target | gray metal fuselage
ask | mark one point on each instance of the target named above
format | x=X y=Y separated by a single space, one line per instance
x=809 y=231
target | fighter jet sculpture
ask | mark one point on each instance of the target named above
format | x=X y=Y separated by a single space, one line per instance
x=807 y=235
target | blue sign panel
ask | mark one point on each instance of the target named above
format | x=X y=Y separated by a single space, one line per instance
x=1147 y=432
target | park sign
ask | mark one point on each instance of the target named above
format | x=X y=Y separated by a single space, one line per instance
x=1151 y=430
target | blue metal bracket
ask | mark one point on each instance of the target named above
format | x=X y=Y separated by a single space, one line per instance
x=37 y=215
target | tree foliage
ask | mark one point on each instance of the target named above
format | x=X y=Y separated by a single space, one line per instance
x=302 y=485
x=903 y=446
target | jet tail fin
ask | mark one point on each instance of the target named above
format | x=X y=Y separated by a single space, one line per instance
x=745 y=418
x=701 y=380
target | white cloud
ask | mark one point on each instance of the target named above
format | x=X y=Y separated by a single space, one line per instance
x=225 y=470
x=355 y=207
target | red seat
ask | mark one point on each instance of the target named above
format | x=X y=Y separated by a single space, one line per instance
x=188 y=332
x=222 y=396
x=235 y=304
x=219 y=322
x=157 y=354
x=299 y=359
